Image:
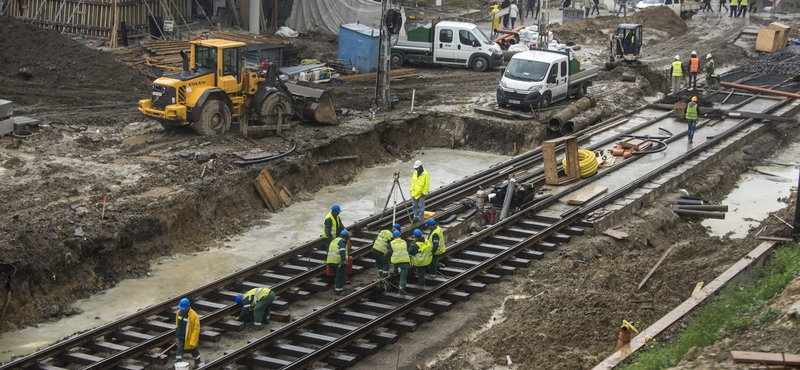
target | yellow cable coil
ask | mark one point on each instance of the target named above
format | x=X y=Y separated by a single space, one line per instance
x=587 y=162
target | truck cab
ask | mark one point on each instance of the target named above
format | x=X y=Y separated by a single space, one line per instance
x=449 y=43
x=537 y=78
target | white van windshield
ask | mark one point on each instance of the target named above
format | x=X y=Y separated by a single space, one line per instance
x=653 y=1
x=481 y=36
x=526 y=70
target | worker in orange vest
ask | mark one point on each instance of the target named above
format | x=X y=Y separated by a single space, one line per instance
x=694 y=67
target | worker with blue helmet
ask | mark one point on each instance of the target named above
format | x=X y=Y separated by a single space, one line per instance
x=436 y=240
x=381 y=250
x=338 y=259
x=421 y=256
x=400 y=259
x=332 y=224
x=187 y=331
x=257 y=300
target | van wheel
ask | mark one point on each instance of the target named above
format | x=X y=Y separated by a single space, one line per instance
x=545 y=102
x=215 y=119
x=480 y=64
x=581 y=91
x=396 y=59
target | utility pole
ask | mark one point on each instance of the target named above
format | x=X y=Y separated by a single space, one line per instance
x=382 y=82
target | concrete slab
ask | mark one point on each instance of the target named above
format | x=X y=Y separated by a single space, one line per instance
x=6 y=108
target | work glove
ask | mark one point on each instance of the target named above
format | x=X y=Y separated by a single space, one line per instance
x=238 y=318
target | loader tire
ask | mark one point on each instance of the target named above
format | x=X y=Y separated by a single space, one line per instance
x=215 y=119
x=272 y=104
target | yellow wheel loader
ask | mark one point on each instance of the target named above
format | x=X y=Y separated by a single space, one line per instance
x=219 y=88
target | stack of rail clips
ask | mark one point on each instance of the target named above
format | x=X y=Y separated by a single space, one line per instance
x=523 y=193
x=694 y=207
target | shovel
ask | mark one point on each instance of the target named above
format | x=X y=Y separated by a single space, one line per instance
x=165 y=351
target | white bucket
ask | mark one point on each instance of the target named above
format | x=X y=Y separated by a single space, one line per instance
x=181 y=365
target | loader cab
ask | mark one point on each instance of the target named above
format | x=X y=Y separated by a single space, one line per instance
x=221 y=57
x=631 y=37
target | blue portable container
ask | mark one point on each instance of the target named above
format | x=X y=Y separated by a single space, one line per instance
x=359 y=44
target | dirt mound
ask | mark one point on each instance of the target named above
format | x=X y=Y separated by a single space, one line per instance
x=43 y=56
x=596 y=30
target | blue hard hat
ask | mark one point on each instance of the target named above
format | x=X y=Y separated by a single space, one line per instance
x=184 y=304
x=396 y=226
x=396 y=234
x=345 y=233
x=336 y=208
x=238 y=299
x=417 y=232
x=430 y=222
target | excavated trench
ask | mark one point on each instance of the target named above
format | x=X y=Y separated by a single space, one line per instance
x=199 y=213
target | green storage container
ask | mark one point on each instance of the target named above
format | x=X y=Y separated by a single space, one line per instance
x=421 y=34
x=574 y=66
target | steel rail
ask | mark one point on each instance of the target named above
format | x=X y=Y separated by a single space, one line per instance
x=89 y=336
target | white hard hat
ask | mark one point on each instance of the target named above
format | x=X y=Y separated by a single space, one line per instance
x=418 y=164
x=708 y=56
x=677 y=57
x=694 y=52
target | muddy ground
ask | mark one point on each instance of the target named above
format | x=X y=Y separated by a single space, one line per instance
x=172 y=191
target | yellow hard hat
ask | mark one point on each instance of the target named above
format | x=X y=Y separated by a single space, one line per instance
x=694 y=98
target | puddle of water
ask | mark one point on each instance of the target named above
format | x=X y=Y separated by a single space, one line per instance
x=134 y=140
x=756 y=196
x=17 y=153
x=291 y=227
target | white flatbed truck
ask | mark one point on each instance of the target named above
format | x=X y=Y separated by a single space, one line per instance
x=448 y=43
x=538 y=78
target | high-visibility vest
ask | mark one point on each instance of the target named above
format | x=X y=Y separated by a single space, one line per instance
x=676 y=69
x=420 y=184
x=734 y=2
x=710 y=65
x=424 y=256
x=437 y=231
x=335 y=222
x=691 y=111
x=334 y=256
x=694 y=66
x=399 y=251
x=257 y=294
x=743 y=2
x=382 y=241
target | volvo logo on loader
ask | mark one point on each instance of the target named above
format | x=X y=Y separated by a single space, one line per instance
x=197 y=83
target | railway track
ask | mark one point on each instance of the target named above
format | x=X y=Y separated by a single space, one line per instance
x=340 y=333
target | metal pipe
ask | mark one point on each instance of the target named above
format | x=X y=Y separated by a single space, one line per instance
x=574 y=109
x=689 y=202
x=507 y=201
x=760 y=89
x=581 y=121
x=699 y=214
x=704 y=207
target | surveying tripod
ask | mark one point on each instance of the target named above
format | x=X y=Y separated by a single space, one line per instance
x=396 y=188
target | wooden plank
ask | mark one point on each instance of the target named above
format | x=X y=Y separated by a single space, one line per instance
x=286 y=197
x=697 y=287
x=689 y=304
x=619 y=235
x=587 y=194
x=266 y=188
x=767 y=358
x=663 y=257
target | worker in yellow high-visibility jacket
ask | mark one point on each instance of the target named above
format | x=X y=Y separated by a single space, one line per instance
x=420 y=184
x=676 y=71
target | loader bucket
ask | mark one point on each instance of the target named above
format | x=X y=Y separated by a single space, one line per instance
x=317 y=104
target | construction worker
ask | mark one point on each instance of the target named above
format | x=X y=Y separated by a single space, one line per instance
x=332 y=225
x=421 y=255
x=691 y=117
x=627 y=42
x=694 y=67
x=380 y=249
x=257 y=300
x=742 y=8
x=676 y=71
x=420 y=183
x=734 y=8
x=495 y=21
x=722 y=5
x=436 y=240
x=400 y=259
x=709 y=68
x=187 y=331
x=337 y=260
